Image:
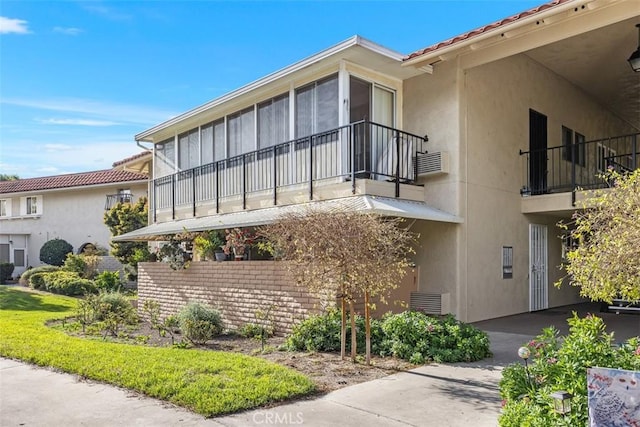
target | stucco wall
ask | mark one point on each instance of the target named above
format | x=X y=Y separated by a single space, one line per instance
x=75 y=215
x=481 y=117
x=498 y=97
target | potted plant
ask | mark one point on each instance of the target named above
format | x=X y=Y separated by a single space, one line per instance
x=237 y=241
x=209 y=245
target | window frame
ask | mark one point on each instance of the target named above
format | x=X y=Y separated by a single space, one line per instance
x=5 y=208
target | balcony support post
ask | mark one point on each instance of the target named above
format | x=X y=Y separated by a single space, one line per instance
x=217 y=188
x=275 y=175
x=153 y=202
x=193 y=190
x=397 y=138
x=244 y=182
x=173 y=196
x=352 y=149
x=310 y=168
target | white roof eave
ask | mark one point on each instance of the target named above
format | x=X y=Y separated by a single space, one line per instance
x=277 y=75
x=367 y=204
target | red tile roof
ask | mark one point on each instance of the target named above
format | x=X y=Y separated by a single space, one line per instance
x=132 y=158
x=109 y=176
x=486 y=28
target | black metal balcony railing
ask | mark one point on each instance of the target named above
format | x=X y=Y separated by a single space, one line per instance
x=359 y=150
x=113 y=199
x=580 y=166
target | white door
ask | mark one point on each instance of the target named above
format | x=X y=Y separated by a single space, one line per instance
x=538 y=271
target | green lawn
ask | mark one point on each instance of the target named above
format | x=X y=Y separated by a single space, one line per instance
x=208 y=382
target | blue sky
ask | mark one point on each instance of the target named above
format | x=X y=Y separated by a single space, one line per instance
x=78 y=79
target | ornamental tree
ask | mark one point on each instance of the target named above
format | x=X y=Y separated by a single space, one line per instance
x=351 y=255
x=123 y=218
x=606 y=262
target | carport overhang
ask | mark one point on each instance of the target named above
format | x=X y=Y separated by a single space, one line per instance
x=383 y=206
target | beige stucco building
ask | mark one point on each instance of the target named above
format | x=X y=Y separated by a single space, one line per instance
x=521 y=115
x=69 y=207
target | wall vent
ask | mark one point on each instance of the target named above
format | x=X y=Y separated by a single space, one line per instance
x=430 y=303
x=432 y=163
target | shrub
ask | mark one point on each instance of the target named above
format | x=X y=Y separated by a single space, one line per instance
x=111 y=310
x=168 y=325
x=322 y=333
x=62 y=282
x=558 y=363
x=6 y=270
x=36 y=280
x=55 y=251
x=24 y=278
x=411 y=336
x=199 y=322
x=85 y=265
x=108 y=281
x=417 y=337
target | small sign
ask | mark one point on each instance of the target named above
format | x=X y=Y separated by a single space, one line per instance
x=614 y=397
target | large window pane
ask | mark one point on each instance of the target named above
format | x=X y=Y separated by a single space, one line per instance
x=206 y=144
x=317 y=107
x=164 y=158
x=241 y=132
x=188 y=150
x=219 y=151
x=304 y=111
x=327 y=104
x=383 y=106
x=273 y=121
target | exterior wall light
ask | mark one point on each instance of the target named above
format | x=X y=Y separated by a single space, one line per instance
x=561 y=402
x=634 y=59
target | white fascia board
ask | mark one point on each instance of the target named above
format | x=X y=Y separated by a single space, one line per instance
x=453 y=49
x=352 y=41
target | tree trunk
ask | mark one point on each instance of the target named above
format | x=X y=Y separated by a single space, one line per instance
x=354 y=341
x=367 y=325
x=343 y=329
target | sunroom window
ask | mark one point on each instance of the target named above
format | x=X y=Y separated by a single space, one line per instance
x=273 y=121
x=165 y=154
x=317 y=107
x=188 y=150
x=241 y=132
x=212 y=141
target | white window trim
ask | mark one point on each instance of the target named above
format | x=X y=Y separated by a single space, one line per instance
x=39 y=206
x=7 y=204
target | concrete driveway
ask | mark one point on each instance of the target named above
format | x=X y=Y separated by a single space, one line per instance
x=433 y=395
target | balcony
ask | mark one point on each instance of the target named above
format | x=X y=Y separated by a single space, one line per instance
x=361 y=150
x=114 y=199
x=566 y=169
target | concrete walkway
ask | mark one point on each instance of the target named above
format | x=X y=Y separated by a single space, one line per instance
x=433 y=395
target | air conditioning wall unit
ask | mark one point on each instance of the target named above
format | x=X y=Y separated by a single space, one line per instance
x=430 y=303
x=430 y=164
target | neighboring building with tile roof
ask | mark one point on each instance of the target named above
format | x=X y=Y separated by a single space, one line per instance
x=70 y=207
x=521 y=117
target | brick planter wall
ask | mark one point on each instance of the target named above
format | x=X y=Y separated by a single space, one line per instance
x=237 y=289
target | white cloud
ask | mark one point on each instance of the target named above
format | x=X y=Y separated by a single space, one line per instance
x=107 y=12
x=108 y=111
x=69 y=31
x=48 y=169
x=57 y=147
x=13 y=26
x=77 y=122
